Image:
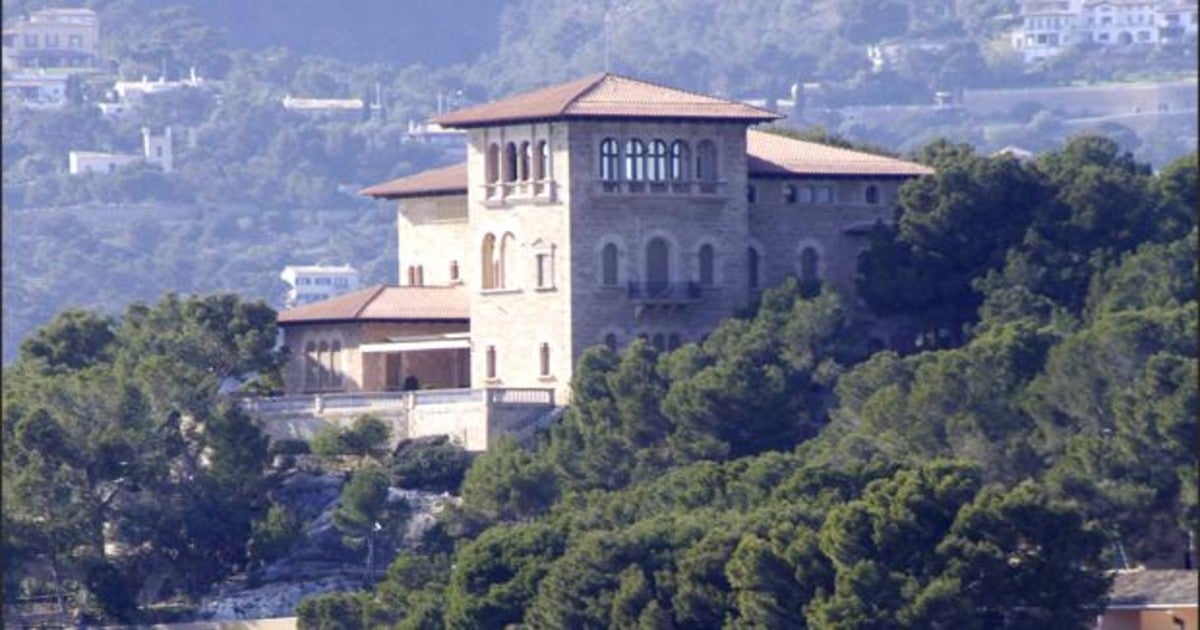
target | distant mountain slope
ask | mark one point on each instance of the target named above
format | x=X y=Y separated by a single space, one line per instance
x=386 y=31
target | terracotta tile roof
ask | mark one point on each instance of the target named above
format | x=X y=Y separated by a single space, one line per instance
x=604 y=95
x=448 y=180
x=1154 y=587
x=384 y=303
x=770 y=154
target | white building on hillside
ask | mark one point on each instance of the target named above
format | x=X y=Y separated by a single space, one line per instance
x=53 y=38
x=129 y=95
x=315 y=283
x=155 y=150
x=1049 y=27
x=36 y=90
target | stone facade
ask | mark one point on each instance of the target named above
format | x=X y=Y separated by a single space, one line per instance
x=782 y=228
x=563 y=221
x=606 y=209
x=521 y=220
x=433 y=237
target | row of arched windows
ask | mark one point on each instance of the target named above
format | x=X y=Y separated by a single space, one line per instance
x=323 y=366
x=495 y=256
x=810 y=267
x=520 y=162
x=658 y=261
x=821 y=194
x=496 y=260
x=663 y=342
x=656 y=160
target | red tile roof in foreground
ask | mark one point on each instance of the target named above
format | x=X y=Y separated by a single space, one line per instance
x=604 y=95
x=769 y=154
x=448 y=180
x=384 y=303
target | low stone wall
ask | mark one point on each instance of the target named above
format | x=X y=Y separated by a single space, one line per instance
x=474 y=418
x=464 y=419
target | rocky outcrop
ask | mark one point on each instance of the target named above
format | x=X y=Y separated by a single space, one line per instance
x=320 y=562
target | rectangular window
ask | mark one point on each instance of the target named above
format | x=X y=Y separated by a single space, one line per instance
x=491 y=362
x=544 y=279
x=75 y=41
x=31 y=40
x=544 y=359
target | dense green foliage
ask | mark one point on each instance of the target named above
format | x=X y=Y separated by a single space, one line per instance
x=368 y=435
x=433 y=464
x=122 y=463
x=777 y=475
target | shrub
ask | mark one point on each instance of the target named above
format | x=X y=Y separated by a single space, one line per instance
x=274 y=535
x=331 y=611
x=115 y=595
x=433 y=464
x=289 y=447
x=368 y=435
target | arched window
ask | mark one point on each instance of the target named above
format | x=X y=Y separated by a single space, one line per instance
x=610 y=340
x=806 y=194
x=678 y=164
x=656 y=161
x=752 y=267
x=706 y=166
x=790 y=194
x=610 y=160
x=493 y=163
x=608 y=265
x=322 y=365
x=541 y=159
x=635 y=160
x=510 y=162
x=751 y=194
x=544 y=359
x=523 y=163
x=706 y=265
x=872 y=194
x=508 y=246
x=311 y=367
x=658 y=265
x=491 y=362
x=810 y=262
x=490 y=262
x=335 y=365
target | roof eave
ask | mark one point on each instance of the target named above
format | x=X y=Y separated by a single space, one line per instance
x=375 y=320
x=447 y=192
x=800 y=175
x=512 y=120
